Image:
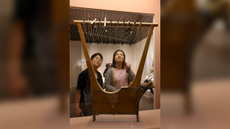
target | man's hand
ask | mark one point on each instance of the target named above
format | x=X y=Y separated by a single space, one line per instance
x=78 y=111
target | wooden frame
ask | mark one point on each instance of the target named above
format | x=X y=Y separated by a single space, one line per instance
x=125 y=100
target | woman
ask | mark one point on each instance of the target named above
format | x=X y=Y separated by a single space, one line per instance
x=120 y=74
x=83 y=104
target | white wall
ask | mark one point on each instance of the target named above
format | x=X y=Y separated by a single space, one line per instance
x=139 y=46
x=75 y=56
x=133 y=55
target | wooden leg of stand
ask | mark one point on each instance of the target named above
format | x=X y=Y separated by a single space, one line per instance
x=94 y=117
x=188 y=103
x=137 y=118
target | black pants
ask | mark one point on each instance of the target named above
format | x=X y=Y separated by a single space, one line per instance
x=87 y=109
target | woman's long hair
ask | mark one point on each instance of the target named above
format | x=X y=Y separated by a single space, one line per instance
x=114 y=62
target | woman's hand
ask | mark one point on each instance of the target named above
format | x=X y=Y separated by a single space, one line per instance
x=127 y=66
x=78 y=111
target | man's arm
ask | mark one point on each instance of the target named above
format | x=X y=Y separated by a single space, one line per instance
x=77 y=103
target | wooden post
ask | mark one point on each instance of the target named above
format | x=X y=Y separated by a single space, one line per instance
x=94 y=117
x=137 y=80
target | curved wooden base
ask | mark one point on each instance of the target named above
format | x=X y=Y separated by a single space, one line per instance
x=126 y=101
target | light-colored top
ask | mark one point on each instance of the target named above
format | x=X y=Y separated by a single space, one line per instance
x=120 y=78
x=109 y=79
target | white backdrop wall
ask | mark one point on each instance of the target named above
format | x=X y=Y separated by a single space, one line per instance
x=133 y=55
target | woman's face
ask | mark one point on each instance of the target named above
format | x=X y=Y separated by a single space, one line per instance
x=119 y=57
x=97 y=61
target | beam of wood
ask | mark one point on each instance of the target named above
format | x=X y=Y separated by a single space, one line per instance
x=88 y=23
x=93 y=81
x=140 y=26
x=75 y=22
x=137 y=80
x=84 y=23
x=134 y=26
x=105 y=22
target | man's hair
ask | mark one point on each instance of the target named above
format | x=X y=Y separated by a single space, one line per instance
x=95 y=54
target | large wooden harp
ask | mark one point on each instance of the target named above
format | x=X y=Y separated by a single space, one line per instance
x=126 y=100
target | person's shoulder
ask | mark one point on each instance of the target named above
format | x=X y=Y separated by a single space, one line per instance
x=84 y=72
x=109 y=70
x=99 y=74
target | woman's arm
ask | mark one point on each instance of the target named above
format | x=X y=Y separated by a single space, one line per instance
x=108 y=80
x=131 y=75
